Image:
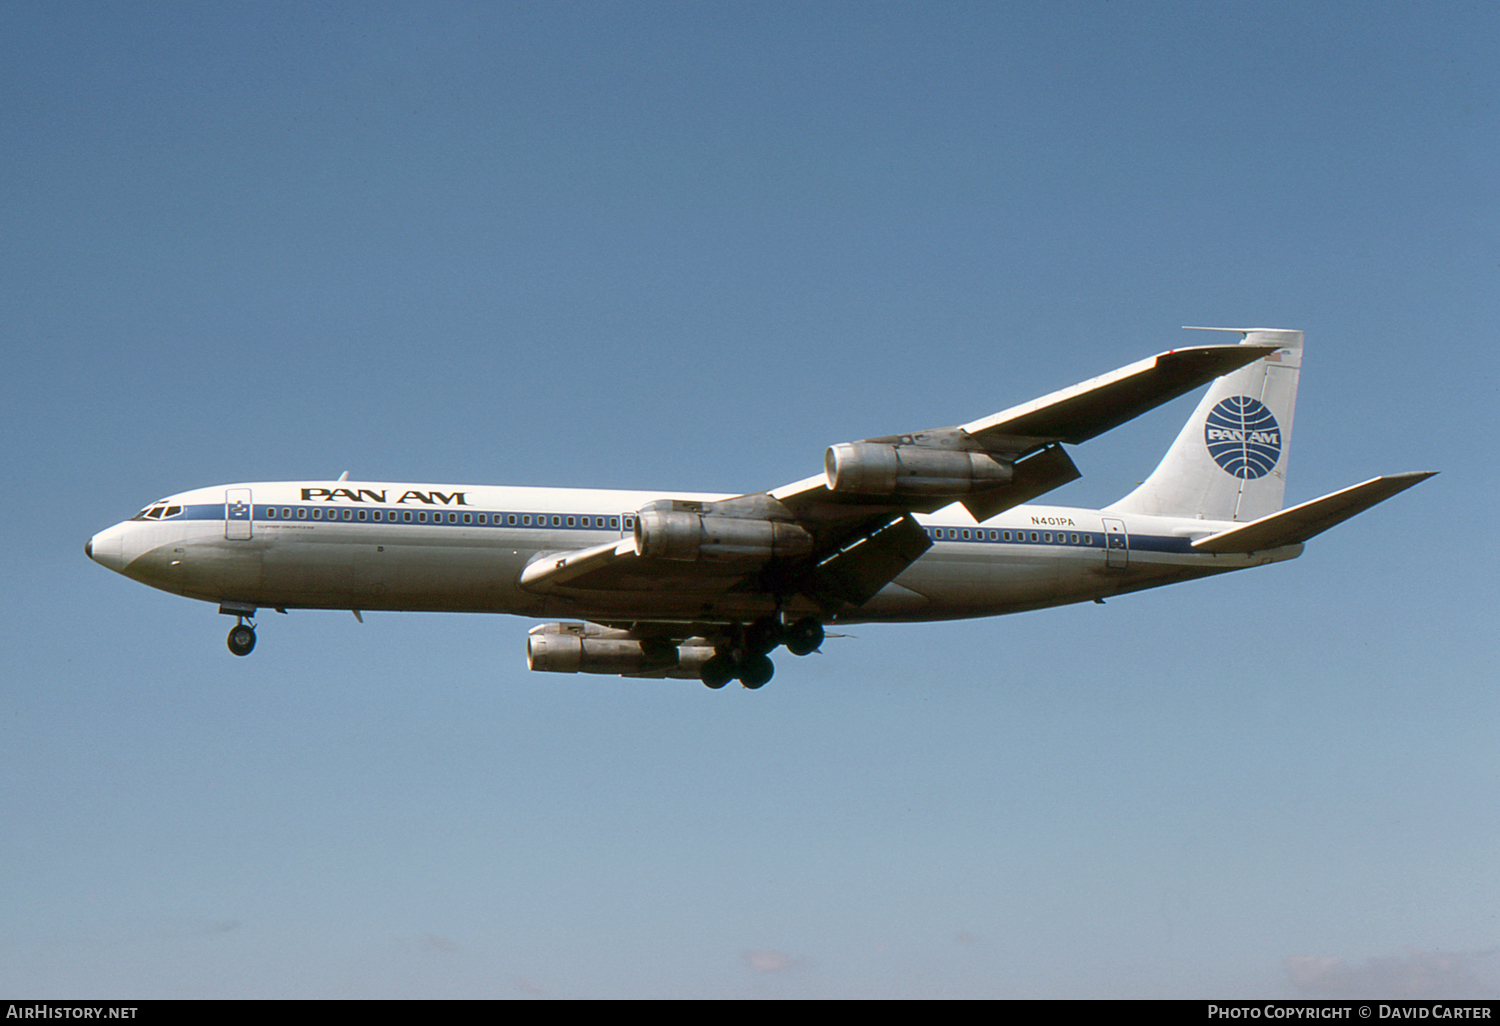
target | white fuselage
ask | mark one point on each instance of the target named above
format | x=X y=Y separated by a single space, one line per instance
x=461 y=548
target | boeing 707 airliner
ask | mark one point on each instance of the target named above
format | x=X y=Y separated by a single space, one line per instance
x=931 y=525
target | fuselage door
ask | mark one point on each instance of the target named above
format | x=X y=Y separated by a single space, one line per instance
x=1116 y=543
x=237 y=509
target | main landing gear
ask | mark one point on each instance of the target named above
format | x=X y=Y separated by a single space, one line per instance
x=744 y=652
x=242 y=637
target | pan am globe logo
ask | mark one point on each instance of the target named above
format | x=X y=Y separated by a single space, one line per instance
x=1243 y=437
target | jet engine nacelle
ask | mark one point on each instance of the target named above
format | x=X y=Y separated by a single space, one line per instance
x=677 y=534
x=586 y=648
x=877 y=468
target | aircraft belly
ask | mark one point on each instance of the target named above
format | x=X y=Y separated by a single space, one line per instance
x=894 y=602
x=305 y=570
x=461 y=577
x=197 y=561
x=393 y=570
x=956 y=585
x=666 y=605
x=980 y=582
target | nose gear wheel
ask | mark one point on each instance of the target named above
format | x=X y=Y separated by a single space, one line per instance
x=242 y=638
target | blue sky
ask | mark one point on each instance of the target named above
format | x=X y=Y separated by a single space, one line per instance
x=689 y=246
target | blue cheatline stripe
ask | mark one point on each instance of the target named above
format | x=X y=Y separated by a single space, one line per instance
x=603 y=522
x=1085 y=539
x=271 y=513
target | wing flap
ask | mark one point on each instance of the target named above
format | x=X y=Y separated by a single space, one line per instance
x=1035 y=475
x=1298 y=524
x=856 y=572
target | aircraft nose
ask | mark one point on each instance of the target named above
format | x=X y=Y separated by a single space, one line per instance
x=104 y=548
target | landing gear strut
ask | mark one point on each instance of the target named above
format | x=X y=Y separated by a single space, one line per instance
x=242 y=637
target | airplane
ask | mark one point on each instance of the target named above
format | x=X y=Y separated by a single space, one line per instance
x=931 y=525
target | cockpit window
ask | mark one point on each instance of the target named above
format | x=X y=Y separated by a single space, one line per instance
x=158 y=511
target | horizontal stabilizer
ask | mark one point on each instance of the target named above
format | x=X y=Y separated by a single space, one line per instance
x=1296 y=525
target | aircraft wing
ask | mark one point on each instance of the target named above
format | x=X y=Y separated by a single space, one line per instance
x=1028 y=435
x=842 y=535
x=1089 y=409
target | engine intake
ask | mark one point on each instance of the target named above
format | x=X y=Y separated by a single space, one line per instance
x=877 y=468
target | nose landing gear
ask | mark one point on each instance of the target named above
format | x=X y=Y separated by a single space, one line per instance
x=242 y=637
